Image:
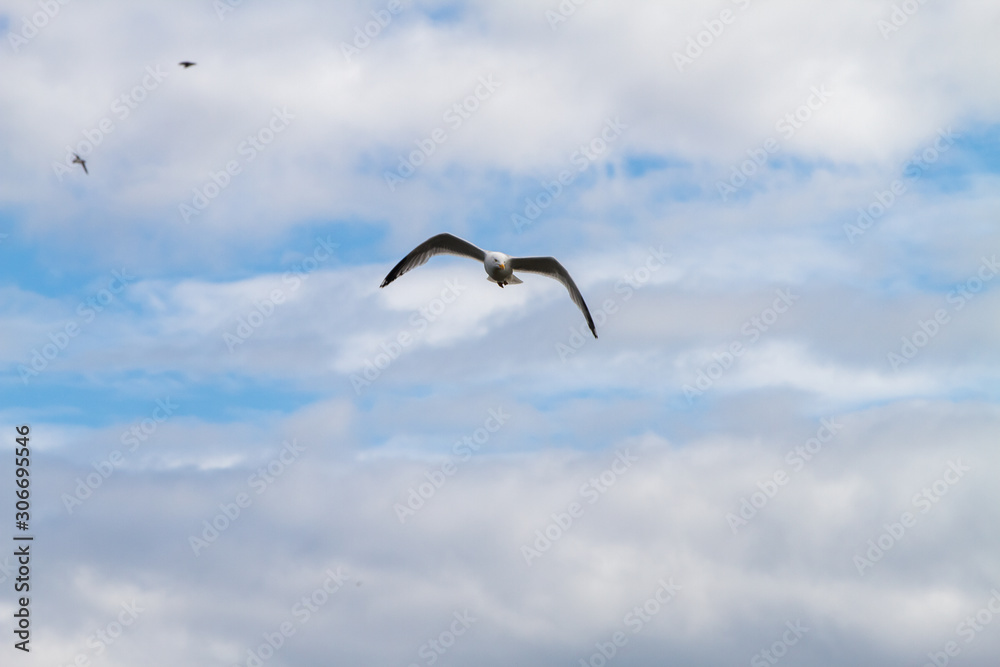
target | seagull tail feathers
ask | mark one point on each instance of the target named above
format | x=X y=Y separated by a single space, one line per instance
x=513 y=280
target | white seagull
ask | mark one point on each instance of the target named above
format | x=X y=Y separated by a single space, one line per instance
x=499 y=267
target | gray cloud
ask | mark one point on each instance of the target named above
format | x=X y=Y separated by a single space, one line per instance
x=278 y=477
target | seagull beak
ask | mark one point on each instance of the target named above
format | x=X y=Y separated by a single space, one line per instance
x=502 y=267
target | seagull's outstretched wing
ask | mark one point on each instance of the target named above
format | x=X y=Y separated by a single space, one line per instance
x=550 y=267
x=435 y=245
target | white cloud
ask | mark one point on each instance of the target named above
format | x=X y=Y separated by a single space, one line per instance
x=574 y=402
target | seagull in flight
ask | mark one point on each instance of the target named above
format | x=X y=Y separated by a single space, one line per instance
x=499 y=267
x=186 y=63
x=80 y=161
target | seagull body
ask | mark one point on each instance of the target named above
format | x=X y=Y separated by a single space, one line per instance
x=499 y=267
x=186 y=63
x=80 y=161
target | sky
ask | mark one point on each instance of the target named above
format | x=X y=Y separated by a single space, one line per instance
x=783 y=216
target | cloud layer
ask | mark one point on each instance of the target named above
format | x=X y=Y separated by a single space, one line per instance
x=782 y=216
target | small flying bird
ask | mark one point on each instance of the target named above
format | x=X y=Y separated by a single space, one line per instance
x=186 y=63
x=499 y=267
x=80 y=161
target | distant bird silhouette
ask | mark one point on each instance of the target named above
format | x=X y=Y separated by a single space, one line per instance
x=186 y=63
x=80 y=161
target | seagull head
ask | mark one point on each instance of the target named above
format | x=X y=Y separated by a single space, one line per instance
x=498 y=266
